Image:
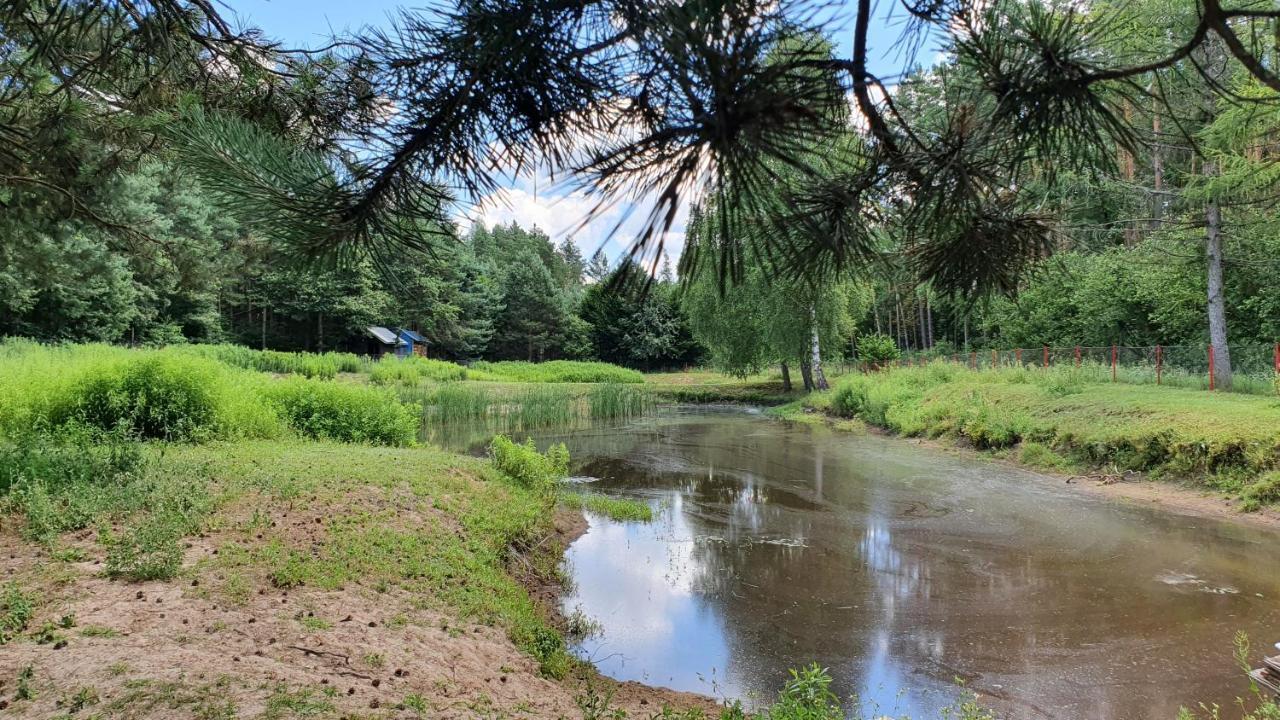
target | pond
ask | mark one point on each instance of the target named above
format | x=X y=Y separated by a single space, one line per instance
x=902 y=569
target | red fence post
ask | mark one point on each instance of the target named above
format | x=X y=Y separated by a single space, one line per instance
x=1277 y=358
x=973 y=359
x=1211 y=367
x=1077 y=356
x=1018 y=355
x=995 y=359
x=1046 y=356
x=1113 y=363
x=1159 y=362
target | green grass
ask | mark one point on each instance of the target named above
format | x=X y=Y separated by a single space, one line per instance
x=1067 y=415
x=556 y=371
x=313 y=365
x=448 y=539
x=174 y=394
x=610 y=507
x=413 y=370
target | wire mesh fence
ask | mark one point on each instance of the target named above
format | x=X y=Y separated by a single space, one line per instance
x=1254 y=368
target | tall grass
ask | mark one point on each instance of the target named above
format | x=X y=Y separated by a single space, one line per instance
x=1225 y=439
x=176 y=395
x=525 y=406
x=413 y=370
x=556 y=371
x=312 y=365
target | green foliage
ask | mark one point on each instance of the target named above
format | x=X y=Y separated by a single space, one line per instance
x=528 y=468
x=413 y=370
x=349 y=413
x=1224 y=440
x=876 y=350
x=557 y=371
x=159 y=396
x=150 y=550
x=806 y=696
x=611 y=507
x=312 y=365
x=16 y=610
x=1261 y=492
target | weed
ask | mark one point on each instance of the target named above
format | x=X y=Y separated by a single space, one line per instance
x=375 y=660
x=98 y=631
x=348 y=413
x=296 y=702
x=557 y=371
x=416 y=703
x=83 y=698
x=313 y=623
x=611 y=507
x=597 y=705
x=413 y=370
x=25 y=676
x=527 y=467
x=1264 y=491
x=16 y=609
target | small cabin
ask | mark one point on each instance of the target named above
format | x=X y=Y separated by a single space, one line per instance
x=417 y=343
x=383 y=341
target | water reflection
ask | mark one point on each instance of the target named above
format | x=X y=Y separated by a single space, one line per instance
x=902 y=570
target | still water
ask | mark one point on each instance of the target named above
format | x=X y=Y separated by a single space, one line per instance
x=903 y=569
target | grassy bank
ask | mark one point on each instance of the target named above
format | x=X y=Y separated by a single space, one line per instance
x=1063 y=419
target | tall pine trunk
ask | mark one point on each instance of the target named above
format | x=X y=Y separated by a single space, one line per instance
x=1217 y=303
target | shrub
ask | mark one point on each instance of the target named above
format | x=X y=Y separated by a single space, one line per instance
x=876 y=350
x=558 y=371
x=163 y=397
x=348 y=413
x=528 y=467
x=806 y=696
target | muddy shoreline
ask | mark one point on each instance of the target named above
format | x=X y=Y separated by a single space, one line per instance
x=1173 y=496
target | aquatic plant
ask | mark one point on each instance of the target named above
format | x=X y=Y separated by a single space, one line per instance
x=413 y=370
x=556 y=371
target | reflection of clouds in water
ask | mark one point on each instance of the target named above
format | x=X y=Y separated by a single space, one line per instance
x=637 y=581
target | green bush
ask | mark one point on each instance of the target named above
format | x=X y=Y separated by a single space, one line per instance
x=877 y=350
x=348 y=413
x=527 y=467
x=157 y=396
x=557 y=371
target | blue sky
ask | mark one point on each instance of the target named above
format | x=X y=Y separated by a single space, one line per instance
x=530 y=200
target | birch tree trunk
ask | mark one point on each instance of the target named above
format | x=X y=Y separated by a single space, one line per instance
x=786 y=378
x=815 y=351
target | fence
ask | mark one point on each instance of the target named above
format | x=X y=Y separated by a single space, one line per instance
x=1255 y=368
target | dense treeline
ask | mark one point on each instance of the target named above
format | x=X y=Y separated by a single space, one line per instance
x=1165 y=232
x=497 y=293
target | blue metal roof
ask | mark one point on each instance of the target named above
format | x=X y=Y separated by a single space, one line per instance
x=411 y=335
